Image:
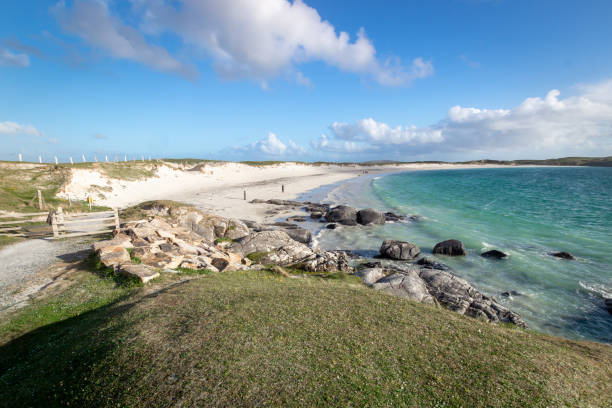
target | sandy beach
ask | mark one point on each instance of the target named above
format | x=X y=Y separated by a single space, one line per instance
x=219 y=187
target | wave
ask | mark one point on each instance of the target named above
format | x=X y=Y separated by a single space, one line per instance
x=598 y=289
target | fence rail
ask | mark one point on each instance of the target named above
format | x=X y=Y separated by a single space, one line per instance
x=59 y=224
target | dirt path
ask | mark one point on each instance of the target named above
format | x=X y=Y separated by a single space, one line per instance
x=24 y=267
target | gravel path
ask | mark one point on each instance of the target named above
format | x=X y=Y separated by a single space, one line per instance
x=21 y=262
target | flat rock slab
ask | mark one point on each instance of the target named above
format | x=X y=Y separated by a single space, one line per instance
x=111 y=256
x=140 y=272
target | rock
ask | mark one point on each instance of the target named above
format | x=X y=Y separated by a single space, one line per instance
x=119 y=240
x=494 y=253
x=562 y=255
x=608 y=303
x=389 y=216
x=316 y=215
x=431 y=264
x=370 y=275
x=374 y=264
x=166 y=247
x=510 y=293
x=451 y=247
x=264 y=241
x=398 y=250
x=296 y=218
x=140 y=272
x=162 y=260
x=111 y=256
x=331 y=226
x=328 y=261
x=220 y=263
x=300 y=235
x=370 y=216
x=405 y=284
x=342 y=214
x=236 y=229
x=458 y=295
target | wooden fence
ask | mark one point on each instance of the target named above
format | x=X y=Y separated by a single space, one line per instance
x=96 y=223
x=57 y=224
x=24 y=225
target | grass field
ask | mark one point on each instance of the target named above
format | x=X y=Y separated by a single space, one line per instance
x=257 y=339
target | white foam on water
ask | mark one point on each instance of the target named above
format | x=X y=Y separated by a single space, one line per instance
x=598 y=289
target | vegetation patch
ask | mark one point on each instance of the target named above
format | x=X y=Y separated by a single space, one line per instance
x=220 y=240
x=256 y=257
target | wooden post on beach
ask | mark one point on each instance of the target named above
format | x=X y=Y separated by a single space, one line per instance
x=283 y=188
x=40 y=204
x=245 y=194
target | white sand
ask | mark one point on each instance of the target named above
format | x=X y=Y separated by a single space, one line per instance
x=219 y=187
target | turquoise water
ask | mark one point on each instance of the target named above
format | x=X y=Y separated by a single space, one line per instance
x=525 y=212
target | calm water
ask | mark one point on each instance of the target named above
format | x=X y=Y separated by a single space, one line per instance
x=525 y=212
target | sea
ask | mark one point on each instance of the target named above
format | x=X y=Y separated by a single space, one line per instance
x=526 y=212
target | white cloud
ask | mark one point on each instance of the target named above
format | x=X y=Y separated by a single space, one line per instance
x=260 y=39
x=368 y=130
x=92 y=21
x=12 y=128
x=273 y=146
x=10 y=59
x=580 y=124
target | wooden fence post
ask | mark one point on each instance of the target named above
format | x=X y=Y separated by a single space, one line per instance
x=116 y=218
x=245 y=194
x=283 y=188
x=40 y=203
x=54 y=226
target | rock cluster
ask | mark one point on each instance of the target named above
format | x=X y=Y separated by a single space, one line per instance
x=278 y=248
x=426 y=282
x=341 y=214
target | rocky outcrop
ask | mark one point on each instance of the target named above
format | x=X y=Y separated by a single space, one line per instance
x=342 y=214
x=563 y=255
x=399 y=250
x=494 y=253
x=451 y=247
x=405 y=284
x=426 y=284
x=370 y=216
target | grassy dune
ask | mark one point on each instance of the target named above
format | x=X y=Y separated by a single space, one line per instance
x=254 y=338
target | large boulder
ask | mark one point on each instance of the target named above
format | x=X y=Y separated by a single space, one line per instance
x=369 y=276
x=264 y=241
x=299 y=234
x=235 y=229
x=451 y=247
x=432 y=264
x=370 y=216
x=342 y=214
x=139 y=272
x=399 y=250
x=405 y=284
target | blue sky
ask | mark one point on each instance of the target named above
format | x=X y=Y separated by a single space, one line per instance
x=273 y=79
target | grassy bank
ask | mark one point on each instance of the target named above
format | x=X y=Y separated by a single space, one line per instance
x=254 y=338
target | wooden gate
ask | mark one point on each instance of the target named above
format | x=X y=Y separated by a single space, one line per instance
x=71 y=225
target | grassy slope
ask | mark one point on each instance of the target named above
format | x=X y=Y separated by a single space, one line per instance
x=252 y=338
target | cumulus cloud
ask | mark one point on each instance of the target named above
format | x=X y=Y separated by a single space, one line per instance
x=93 y=22
x=578 y=124
x=12 y=128
x=273 y=146
x=11 y=59
x=252 y=39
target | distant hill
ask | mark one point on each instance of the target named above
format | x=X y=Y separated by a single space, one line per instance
x=563 y=161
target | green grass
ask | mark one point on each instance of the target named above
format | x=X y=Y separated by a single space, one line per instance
x=220 y=240
x=255 y=339
x=256 y=257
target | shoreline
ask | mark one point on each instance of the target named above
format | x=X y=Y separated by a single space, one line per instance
x=220 y=188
